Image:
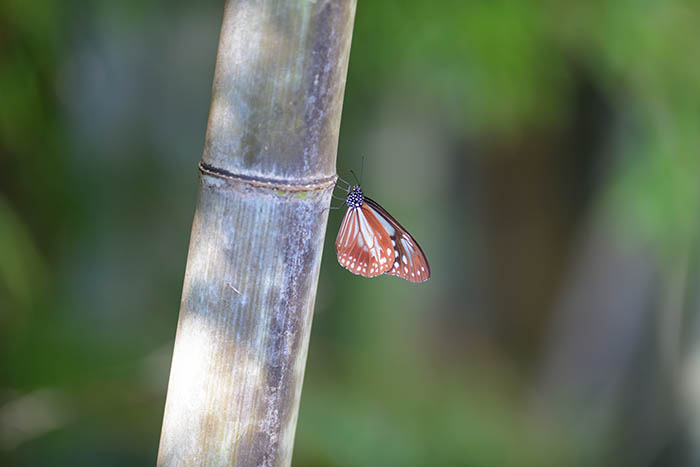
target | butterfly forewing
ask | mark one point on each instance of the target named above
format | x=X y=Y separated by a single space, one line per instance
x=363 y=245
x=409 y=261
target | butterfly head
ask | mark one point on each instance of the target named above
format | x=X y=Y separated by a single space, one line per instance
x=355 y=197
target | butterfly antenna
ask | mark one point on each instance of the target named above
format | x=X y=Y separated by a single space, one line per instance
x=356 y=179
x=362 y=168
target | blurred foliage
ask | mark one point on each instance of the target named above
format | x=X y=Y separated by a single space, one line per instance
x=102 y=120
x=505 y=68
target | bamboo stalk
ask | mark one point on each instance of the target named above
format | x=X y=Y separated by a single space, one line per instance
x=266 y=178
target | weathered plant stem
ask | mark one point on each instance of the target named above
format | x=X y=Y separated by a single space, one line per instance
x=266 y=178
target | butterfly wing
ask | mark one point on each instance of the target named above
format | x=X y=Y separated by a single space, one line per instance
x=363 y=245
x=409 y=261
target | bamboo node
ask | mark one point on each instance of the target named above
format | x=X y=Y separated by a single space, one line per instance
x=269 y=183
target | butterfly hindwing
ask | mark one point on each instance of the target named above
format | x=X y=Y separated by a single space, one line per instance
x=409 y=261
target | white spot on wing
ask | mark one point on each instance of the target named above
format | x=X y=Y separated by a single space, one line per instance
x=409 y=248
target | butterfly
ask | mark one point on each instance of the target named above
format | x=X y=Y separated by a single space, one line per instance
x=371 y=242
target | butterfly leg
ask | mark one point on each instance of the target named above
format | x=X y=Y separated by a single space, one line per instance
x=348 y=185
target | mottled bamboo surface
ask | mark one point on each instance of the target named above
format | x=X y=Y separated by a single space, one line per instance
x=266 y=178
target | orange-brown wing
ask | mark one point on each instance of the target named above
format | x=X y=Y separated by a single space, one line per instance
x=363 y=245
x=409 y=261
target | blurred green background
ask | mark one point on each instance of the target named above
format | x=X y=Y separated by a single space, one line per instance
x=544 y=154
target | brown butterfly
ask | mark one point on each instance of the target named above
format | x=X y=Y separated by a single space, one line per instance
x=371 y=242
